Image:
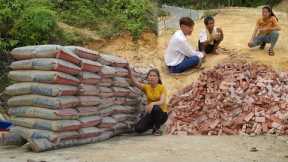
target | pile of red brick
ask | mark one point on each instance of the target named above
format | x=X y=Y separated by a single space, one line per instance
x=231 y=99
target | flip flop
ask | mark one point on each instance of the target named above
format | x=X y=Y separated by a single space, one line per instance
x=271 y=52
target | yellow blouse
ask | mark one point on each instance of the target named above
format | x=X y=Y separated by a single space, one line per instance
x=154 y=94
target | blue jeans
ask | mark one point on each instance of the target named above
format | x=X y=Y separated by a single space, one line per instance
x=268 y=38
x=187 y=63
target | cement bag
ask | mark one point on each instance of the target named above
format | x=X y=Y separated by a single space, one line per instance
x=88 y=90
x=122 y=101
x=39 y=134
x=107 y=111
x=108 y=71
x=123 y=92
x=43 y=77
x=107 y=122
x=46 y=64
x=120 y=82
x=90 y=132
x=90 y=66
x=43 y=124
x=124 y=117
x=40 y=145
x=90 y=121
x=8 y=138
x=105 y=82
x=44 y=101
x=89 y=100
x=90 y=78
x=38 y=112
x=41 y=51
x=87 y=54
x=88 y=111
x=45 y=51
x=119 y=109
x=112 y=60
x=121 y=128
x=41 y=89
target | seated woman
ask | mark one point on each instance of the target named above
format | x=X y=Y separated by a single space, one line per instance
x=266 y=31
x=156 y=110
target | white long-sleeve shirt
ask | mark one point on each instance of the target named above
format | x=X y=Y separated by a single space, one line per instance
x=178 y=48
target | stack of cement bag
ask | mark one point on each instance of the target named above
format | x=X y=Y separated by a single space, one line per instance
x=67 y=96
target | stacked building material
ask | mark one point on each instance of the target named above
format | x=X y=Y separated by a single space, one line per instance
x=66 y=96
x=232 y=99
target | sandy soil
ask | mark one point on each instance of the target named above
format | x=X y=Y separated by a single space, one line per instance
x=163 y=149
x=237 y=24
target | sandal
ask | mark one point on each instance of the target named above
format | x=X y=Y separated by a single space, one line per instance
x=271 y=52
x=157 y=132
x=262 y=46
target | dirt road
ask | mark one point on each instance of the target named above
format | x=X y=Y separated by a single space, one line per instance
x=164 y=149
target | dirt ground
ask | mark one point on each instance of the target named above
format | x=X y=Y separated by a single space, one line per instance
x=163 y=149
x=237 y=24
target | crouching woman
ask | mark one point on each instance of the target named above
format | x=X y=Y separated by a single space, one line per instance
x=156 y=109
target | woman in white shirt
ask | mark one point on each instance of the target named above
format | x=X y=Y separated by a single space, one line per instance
x=179 y=55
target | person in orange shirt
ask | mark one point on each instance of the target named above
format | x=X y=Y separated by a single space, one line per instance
x=156 y=108
x=266 y=31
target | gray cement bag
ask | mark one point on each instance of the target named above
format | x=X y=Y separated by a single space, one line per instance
x=44 y=101
x=43 y=77
x=46 y=64
x=43 y=113
x=112 y=60
x=40 y=145
x=41 y=89
x=45 y=51
x=43 y=124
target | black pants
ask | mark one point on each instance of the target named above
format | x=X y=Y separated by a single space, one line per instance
x=151 y=120
x=206 y=48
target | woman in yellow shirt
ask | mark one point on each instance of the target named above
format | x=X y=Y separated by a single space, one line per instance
x=156 y=109
x=266 y=30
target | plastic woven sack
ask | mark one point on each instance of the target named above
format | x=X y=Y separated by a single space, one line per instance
x=90 y=78
x=120 y=82
x=55 y=137
x=90 y=121
x=89 y=100
x=86 y=53
x=41 y=51
x=107 y=122
x=124 y=117
x=108 y=71
x=88 y=111
x=44 y=101
x=112 y=60
x=47 y=64
x=45 y=51
x=43 y=124
x=40 y=145
x=43 y=113
x=41 y=89
x=43 y=77
x=90 y=66
x=89 y=90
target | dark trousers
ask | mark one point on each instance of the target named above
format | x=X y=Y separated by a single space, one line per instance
x=209 y=48
x=151 y=120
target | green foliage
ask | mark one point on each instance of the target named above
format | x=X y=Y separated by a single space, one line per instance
x=207 y=4
x=35 y=26
x=109 y=17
